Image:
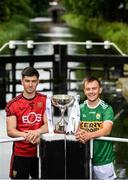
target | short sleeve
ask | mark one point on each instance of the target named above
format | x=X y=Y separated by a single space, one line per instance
x=10 y=111
x=108 y=114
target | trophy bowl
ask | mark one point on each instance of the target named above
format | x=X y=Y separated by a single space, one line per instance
x=62 y=101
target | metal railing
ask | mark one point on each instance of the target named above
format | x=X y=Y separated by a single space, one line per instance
x=89 y=44
x=5 y=140
x=8 y=140
x=114 y=139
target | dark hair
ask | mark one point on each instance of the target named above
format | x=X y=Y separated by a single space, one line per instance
x=30 y=71
x=90 y=79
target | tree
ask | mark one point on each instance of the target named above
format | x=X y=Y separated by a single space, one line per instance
x=8 y=8
x=107 y=9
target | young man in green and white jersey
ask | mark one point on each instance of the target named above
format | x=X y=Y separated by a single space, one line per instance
x=96 y=118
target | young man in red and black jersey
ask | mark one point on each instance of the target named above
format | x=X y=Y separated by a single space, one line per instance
x=26 y=117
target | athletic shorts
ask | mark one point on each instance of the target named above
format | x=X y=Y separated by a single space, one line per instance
x=24 y=167
x=106 y=172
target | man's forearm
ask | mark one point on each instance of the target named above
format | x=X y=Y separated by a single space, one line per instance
x=43 y=129
x=15 y=133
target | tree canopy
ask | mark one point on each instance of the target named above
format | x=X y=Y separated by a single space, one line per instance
x=28 y=8
x=109 y=10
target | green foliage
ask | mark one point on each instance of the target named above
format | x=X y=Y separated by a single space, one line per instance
x=12 y=30
x=72 y=21
x=115 y=31
x=28 y=8
x=14 y=16
x=40 y=7
x=8 y=8
x=107 y=9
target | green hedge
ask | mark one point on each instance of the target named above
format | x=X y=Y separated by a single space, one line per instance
x=116 y=32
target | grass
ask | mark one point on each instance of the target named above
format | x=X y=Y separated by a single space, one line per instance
x=112 y=31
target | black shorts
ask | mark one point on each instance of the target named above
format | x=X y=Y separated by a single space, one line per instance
x=24 y=167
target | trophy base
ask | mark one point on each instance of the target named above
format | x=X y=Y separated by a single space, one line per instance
x=60 y=129
x=59 y=132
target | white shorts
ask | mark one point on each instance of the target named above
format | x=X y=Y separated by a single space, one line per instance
x=104 y=172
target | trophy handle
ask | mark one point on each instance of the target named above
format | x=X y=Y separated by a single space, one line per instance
x=56 y=104
x=71 y=102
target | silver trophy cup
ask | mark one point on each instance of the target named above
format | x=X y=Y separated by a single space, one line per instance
x=62 y=101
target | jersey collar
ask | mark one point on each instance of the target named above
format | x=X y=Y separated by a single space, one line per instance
x=86 y=102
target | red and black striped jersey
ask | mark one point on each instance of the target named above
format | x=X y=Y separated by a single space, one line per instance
x=29 y=114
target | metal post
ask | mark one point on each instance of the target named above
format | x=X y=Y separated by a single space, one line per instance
x=56 y=69
x=13 y=47
x=63 y=68
x=3 y=84
x=60 y=69
x=88 y=69
x=56 y=74
x=106 y=71
x=90 y=160
x=38 y=155
x=30 y=46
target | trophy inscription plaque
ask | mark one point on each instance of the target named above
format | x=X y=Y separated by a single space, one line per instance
x=62 y=101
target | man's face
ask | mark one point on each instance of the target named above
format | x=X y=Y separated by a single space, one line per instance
x=92 y=90
x=30 y=84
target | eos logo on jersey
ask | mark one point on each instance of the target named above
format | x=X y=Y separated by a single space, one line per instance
x=31 y=118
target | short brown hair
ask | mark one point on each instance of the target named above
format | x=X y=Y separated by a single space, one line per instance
x=30 y=71
x=90 y=79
